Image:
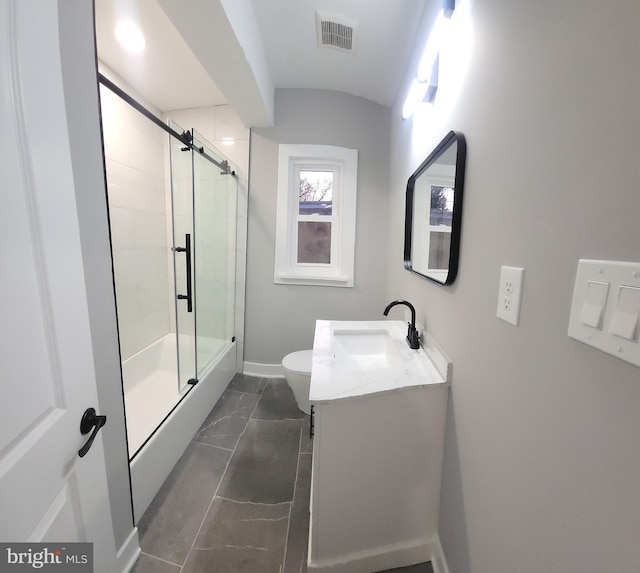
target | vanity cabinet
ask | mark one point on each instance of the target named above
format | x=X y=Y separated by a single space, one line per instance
x=379 y=411
x=377 y=466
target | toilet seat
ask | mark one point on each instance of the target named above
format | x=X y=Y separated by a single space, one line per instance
x=299 y=362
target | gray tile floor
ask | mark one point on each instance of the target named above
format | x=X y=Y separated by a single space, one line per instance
x=238 y=499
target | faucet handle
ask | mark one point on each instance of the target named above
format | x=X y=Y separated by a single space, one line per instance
x=413 y=337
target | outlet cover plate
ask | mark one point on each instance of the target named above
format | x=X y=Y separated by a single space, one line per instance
x=510 y=294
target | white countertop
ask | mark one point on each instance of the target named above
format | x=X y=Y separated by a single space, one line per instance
x=332 y=382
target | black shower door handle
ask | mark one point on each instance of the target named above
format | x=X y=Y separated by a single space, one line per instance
x=187 y=251
x=90 y=420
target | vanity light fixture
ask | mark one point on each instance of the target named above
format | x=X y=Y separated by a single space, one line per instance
x=425 y=84
x=130 y=37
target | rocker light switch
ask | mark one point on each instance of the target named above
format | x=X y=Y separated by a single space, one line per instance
x=605 y=311
x=624 y=323
x=594 y=302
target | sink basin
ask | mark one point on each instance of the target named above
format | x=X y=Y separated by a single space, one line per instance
x=365 y=349
x=359 y=358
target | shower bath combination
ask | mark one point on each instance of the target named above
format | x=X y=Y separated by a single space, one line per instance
x=172 y=213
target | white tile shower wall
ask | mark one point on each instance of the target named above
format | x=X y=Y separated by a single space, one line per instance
x=168 y=174
x=134 y=151
x=217 y=215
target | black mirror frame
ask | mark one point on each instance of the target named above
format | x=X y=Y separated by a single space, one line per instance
x=461 y=154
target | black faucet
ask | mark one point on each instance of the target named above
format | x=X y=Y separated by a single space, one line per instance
x=413 y=338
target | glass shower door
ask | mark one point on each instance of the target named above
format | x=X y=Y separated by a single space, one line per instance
x=215 y=204
x=182 y=223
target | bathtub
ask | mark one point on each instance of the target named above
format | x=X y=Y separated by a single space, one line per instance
x=161 y=419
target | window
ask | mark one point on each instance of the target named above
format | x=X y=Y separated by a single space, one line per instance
x=316 y=215
x=434 y=203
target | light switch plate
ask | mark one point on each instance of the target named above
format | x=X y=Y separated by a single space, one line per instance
x=616 y=308
x=510 y=294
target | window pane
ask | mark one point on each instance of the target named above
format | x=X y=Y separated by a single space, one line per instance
x=441 y=206
x=315 y=192
x=439 y=248
x=314 y=242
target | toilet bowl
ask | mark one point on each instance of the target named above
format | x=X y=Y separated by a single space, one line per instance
x=297 y=371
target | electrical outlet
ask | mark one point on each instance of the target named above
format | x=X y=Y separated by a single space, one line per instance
x=510 y=294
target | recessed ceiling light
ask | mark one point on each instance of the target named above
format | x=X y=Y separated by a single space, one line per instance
x=228 y=141
x=130 y=37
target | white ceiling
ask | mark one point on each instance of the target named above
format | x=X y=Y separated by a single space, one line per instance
x=167 y=74
x=170 y=77
x=384 y=37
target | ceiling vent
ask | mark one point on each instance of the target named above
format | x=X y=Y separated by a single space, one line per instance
x=335 y=31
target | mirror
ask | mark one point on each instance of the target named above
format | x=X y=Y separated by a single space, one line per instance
x=434 y=212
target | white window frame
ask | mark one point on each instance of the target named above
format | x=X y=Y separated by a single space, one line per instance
x=439 y=176
x=293 y=158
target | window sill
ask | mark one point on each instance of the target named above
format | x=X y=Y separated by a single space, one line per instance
x=313 y=280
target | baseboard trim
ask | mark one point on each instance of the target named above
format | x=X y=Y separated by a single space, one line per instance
x=263 y=370
x=378 y=559
x=128 y=553
x=438 y=561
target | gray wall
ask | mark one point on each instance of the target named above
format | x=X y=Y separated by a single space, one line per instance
x=542 y=455
x=281 y=318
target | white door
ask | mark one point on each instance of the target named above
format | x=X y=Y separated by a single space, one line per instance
x=47 y=492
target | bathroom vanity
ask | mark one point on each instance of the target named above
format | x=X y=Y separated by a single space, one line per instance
x=379 y=415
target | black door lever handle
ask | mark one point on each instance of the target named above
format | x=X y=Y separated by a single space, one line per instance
x=90 y=420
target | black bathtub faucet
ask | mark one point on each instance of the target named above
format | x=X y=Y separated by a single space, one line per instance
x=413 y=338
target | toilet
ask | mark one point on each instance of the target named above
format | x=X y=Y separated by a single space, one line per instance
x=297 y=371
